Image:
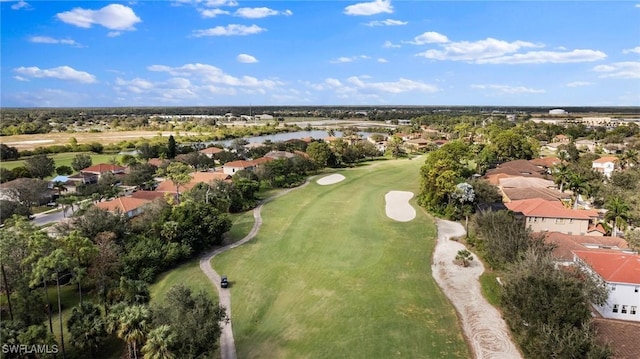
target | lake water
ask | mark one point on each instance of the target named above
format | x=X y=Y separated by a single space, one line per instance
x=317 y=134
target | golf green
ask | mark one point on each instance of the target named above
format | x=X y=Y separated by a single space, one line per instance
x=329 y=275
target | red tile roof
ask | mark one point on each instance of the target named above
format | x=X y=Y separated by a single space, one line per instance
x=103 y=168
x=196 y=177
x=613 y=267
x=567 y=243
x=211 y=150
x=597 y=228
x=606 y=159
x=538 y=207
x=124 y=204
x=240 y=164
x=156 y=162
x=546 y=162
x=148 y=195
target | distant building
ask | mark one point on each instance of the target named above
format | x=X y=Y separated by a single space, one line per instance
x=605 y=165
x=557 y=111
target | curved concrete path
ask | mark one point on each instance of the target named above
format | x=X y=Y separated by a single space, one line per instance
x=227 y=343
x=482 y=324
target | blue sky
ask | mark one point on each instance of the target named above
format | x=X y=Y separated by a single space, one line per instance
x=228 y=52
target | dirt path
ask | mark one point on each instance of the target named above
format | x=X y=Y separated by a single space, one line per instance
x=483 y=325
x=227 y=343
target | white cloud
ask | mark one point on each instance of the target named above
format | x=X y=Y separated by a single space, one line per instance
x=382 y=60
x=429 y=37
x=542 y=57
x=61 y=73
x=402 y=85
x=51 y=40
x=209 y=13
x=475 y=51
x=387 y=22
x=213 y=75
x=114 y=33
x=619 y=70
x=579 y=84
x=506 y=89
x=113 y=17
x=21 y=5
x=388 y=45
x=214 y=3
x=260 y=12
x=635 y=50
x=369 y=8
x=246 y=59
x=230 y=30
x=345 y=59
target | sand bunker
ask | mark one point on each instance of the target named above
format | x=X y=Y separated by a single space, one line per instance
x=398 y=207
x=330 y=179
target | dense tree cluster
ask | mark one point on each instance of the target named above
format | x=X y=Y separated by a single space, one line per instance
x=547 y=307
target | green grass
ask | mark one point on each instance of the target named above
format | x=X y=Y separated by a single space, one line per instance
x=188 y=274
x=330 y=276
x=490 y=288
x=62 y=159
x=241 y=226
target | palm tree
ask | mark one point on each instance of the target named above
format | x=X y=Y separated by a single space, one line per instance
x=561 y=175
x=578 y=185
x=132 y=326
x=464 y=257
x=159 y=342
x=331 y=132
x=629 y=158
x=86 y=326
x=617 y=213
x=58 y=185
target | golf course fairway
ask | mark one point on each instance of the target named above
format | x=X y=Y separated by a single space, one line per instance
x=329 y=275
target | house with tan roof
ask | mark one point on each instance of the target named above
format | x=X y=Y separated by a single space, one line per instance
x=620 y=272
x=605 y=165
x=211 y=151
x=127 y=206
x=552 y=216
x=196 y=177
x=230 y=168
x=560 y=138
x=549 y=194
x=545 y=163
x=418 y=144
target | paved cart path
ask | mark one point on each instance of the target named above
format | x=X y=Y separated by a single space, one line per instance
x=227 y=343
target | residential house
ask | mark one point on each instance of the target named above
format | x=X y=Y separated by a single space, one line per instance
x=565 y=244
x=560 y=138
x=521 y=168
x=588 y=145
x=605 y=165
x=196 y=177
x=620 y=272
x=545 y=163
x=69 y=185
x=552 y=216
x=101 y=169
x=418 y=144
x=279 y=155
x=148 y=195
x=211 y=151
x=548 y=194
x=127 y=206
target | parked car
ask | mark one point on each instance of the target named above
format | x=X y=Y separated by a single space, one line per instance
x=224 y=282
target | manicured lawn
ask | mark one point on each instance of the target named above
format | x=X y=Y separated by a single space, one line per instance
x=330 y=276
x=242 y=224
x=188 y=274
x=490 y=287
x=63 y=159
